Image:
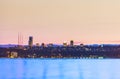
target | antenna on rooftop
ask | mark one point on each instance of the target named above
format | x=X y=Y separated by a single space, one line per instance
x=20 y=40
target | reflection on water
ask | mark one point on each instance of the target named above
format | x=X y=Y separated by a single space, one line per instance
x=59 y=69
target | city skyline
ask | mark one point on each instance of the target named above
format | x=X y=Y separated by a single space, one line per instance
x=56 y=21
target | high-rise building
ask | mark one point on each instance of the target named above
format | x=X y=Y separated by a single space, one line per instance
x=37 y=44
x=43 y=44
x=64 y=43
x=71 y=43
x=30 y=42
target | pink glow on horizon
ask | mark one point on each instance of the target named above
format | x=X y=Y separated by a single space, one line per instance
x=56 y=21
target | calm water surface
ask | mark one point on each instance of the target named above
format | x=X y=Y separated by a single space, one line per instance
x=59 y=68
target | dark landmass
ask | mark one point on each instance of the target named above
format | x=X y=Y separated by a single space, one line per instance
x=60 y=51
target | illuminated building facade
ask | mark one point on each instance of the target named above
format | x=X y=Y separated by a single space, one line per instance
x=30 y=42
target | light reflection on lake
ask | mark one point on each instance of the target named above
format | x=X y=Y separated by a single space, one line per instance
x=59 y=69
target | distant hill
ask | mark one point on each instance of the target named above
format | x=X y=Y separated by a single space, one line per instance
x=8 y=45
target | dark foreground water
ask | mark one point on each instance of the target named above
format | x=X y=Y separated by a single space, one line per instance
x=59 y=68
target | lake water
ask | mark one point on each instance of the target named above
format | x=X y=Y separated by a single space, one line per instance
x=59 y=68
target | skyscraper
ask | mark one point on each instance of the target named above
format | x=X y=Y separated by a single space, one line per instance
x=30 y=42
x=71 y=43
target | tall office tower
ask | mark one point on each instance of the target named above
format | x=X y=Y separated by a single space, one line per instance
x=30 y=42
x=71 y=43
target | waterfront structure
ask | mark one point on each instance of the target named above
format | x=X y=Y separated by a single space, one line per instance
x=60 y=51
x=76 y=51
x=13 y=55
x=30 y=42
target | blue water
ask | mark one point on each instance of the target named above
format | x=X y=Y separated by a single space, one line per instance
x=59 y=69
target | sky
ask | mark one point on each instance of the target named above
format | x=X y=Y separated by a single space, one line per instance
x=56 y=21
